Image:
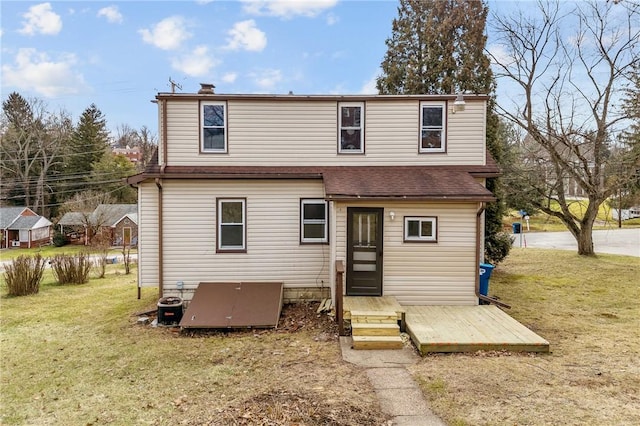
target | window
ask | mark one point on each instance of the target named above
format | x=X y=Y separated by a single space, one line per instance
x=420 y=229
x=432 y=127
x=351 y=127
x=214 y=127
x=232 y=225
x=313 y=221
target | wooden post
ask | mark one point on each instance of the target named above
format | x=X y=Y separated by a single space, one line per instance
x=339 y=311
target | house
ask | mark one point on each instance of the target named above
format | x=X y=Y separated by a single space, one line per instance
x=284 y=188
x=21 y=227
x=119 y=222
x=132 y=154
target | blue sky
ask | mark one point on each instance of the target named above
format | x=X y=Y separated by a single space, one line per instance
x=120 y=54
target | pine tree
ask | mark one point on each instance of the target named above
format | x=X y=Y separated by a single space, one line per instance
x=88 y=145
x=437 y=47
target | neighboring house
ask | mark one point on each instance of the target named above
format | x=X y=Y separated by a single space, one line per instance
x=279 y=188
x=21 y=227
x=132 y=154
x=119 y=222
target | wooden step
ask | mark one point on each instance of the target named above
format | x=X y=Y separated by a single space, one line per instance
x=374 y=317
x=377 y=342
x=365 y=329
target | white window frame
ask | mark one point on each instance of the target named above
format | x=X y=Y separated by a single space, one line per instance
x=341 y=128
x=421 y=238
x=443 y=127
x=204 y=104
x=220 y=224
x=325 y=221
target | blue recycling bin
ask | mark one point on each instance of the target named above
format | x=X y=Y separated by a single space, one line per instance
x=485 y=274
x=517 y=227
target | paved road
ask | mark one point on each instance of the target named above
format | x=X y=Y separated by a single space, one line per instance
x=613 y=241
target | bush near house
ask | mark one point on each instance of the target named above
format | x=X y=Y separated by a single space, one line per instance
x=71 y=269
x=24 y=274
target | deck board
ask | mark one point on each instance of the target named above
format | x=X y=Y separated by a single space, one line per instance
x=371 y=304
x=469 y=328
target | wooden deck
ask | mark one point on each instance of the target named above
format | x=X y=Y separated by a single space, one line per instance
x=444 y=328
x=372 y=304
x=469 y=329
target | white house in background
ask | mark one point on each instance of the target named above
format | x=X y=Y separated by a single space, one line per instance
x=279 y=188
x=21 y=227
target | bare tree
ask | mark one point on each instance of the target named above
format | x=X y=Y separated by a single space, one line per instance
x=32 y=141
x=565 y=68
x=147 y=143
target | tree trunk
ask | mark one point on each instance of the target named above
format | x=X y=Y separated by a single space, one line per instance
x=585 y=242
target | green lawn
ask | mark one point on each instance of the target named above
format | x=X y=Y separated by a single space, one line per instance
x=588 y=308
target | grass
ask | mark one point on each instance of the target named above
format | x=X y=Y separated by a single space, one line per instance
x=542 y=222
x=589 y=311
x=50 y=251
x=75 y=355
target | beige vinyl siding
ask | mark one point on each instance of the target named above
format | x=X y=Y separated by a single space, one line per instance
x=425 y=273
x=298 y=133
x=274 y=252
x=148 y=235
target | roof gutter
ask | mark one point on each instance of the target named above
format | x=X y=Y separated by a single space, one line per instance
x=478 y=247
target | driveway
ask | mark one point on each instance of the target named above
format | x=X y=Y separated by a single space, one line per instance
x=612 y=241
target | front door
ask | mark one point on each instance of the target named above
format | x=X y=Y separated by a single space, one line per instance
x=364 y=251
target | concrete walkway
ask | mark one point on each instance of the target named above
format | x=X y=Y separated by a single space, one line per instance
x=400 y=397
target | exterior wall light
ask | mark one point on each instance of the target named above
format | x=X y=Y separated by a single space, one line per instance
x=392 y=215
x=459 y=104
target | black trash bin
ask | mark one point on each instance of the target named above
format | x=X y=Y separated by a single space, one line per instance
x=169 y=310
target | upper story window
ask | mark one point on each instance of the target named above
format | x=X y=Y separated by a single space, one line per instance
x=232 y=233
x=420 y=229
x=351 y=127
x=433 y=129
x=314 y=226
x=213 y=119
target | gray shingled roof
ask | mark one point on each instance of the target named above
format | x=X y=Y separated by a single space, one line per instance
x=8 y=215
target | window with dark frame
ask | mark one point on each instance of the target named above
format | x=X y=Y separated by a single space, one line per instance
x=214 y=127
x=314 y=224
x=231 y=224
x=351 y=127
x=432 y=127
x=420 y=229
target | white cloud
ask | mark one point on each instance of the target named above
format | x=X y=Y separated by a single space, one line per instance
x=197 y=63
x=35 y=71
x=369 y=87
x=332 y=19
x=266 y=79
x=245 y=35
x=112 y=14
x=500 y=54
x=287 y=8
x=230 y=77
x=41 y=19
x=167 y=34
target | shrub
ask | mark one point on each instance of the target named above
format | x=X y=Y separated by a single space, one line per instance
x=71 y=269
x=496 y=249
x=24 y=274
x=59 y=239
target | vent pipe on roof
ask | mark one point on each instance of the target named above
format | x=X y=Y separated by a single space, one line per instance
x=206 y=89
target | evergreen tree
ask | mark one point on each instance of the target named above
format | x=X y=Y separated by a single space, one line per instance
x=437 y=47
x=88 y=145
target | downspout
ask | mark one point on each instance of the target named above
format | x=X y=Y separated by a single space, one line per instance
x=160 y=201
x=478 y=246
x=160 y=240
